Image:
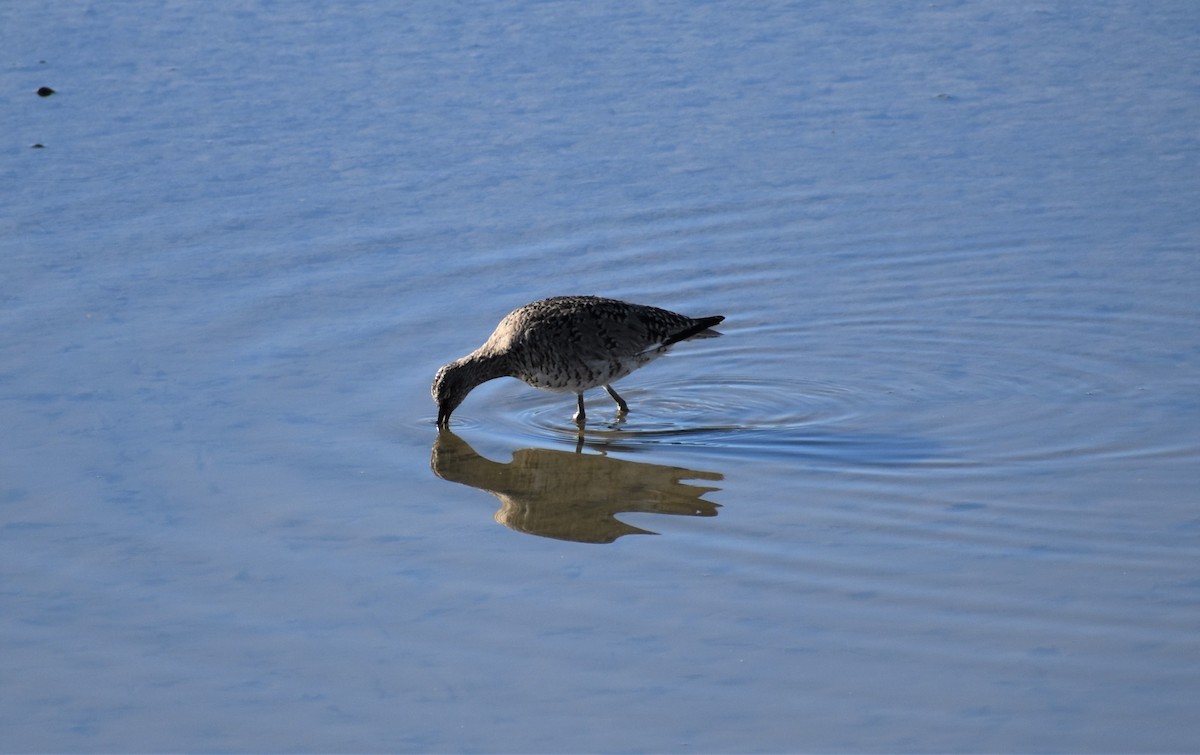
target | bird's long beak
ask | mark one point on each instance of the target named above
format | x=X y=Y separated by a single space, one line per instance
x=443 y=420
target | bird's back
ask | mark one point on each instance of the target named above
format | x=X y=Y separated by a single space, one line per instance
x=570 y=343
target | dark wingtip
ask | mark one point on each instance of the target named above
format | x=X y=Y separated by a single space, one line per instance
x=702 y=324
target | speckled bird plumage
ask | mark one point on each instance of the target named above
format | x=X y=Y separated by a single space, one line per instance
x=567 y=344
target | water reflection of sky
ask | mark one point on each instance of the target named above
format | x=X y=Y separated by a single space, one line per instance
x=951 y=428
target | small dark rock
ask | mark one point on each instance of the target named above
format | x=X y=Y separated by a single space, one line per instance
x=39 y=145
x=45 y=91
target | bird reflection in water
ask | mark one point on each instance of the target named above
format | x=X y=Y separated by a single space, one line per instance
x=573 y=496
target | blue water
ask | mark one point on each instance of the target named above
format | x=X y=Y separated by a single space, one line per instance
x=934 y=489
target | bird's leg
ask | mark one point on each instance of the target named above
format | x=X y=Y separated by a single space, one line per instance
x=620 y=401
x=580 y=415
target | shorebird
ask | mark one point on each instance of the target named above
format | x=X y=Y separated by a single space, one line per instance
x=568 y=344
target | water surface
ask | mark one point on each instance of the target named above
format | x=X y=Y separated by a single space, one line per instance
x=933 y=490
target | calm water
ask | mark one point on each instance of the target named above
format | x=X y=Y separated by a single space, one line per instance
x=935 y=489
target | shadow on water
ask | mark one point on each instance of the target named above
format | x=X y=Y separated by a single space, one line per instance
x=573 y=496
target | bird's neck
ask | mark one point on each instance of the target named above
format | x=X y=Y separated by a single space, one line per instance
x=483 y=366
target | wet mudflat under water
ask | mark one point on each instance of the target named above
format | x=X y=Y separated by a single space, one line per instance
x=934 y=489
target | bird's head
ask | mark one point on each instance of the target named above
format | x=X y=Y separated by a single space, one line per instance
x=450 y=386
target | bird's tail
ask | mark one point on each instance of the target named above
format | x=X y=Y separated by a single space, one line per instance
x=698 y=329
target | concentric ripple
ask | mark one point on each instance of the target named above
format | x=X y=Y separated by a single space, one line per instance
x=704 y=406
x=750 y=417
